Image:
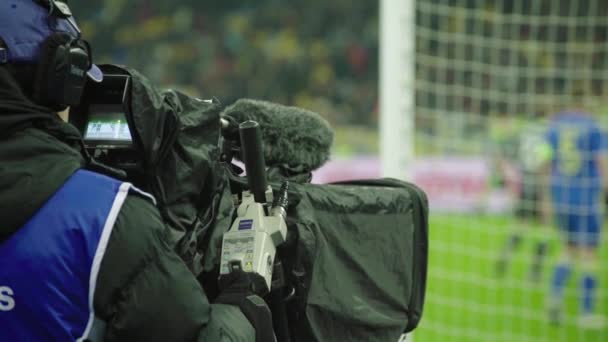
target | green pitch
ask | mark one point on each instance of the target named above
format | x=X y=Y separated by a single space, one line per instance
x=467 y=301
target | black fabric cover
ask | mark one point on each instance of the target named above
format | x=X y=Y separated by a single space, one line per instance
x=356 y=252
x=360 y=260
x=177 y=135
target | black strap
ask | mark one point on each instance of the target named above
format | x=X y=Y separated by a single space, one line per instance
x=59 y=9
x=257 y=312
x=237 y=290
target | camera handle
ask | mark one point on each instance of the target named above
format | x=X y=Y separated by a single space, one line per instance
x=259 y=227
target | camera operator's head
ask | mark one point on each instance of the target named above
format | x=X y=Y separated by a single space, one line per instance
x=41 y=46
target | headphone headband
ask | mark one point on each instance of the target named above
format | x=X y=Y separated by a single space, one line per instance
x=57 y=8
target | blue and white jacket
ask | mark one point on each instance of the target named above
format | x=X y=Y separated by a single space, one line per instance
x=49 y=268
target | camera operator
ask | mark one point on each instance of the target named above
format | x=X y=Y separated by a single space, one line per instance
x=84 y=256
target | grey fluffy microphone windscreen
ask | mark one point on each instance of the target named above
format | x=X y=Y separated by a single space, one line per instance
x=291 y=136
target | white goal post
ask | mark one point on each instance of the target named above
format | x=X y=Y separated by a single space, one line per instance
x=397 y=75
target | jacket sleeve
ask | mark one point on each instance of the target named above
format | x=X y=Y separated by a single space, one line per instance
x=145 y=292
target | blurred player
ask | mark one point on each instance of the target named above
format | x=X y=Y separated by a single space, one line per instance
x=524 y=152
x=577 y=178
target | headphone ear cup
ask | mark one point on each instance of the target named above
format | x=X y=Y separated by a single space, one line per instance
x=49 y=82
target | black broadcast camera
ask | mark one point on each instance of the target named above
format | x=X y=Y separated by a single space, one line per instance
x=166 y=143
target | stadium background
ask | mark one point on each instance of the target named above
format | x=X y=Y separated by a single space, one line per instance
x=484 y=70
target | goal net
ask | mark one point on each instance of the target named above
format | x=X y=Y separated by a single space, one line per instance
x=489 y=77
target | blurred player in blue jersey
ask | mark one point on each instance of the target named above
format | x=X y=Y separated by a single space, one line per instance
x=578 y=170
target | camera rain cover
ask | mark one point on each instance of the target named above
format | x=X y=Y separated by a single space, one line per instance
x=176 y=136
x=362 y=240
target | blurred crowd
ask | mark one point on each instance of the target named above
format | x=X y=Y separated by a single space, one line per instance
x=476 y=61
x=320 y=55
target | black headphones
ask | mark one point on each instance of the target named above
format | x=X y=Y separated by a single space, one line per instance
x=61 y=73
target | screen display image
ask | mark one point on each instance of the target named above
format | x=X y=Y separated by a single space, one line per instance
x=108 y=126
